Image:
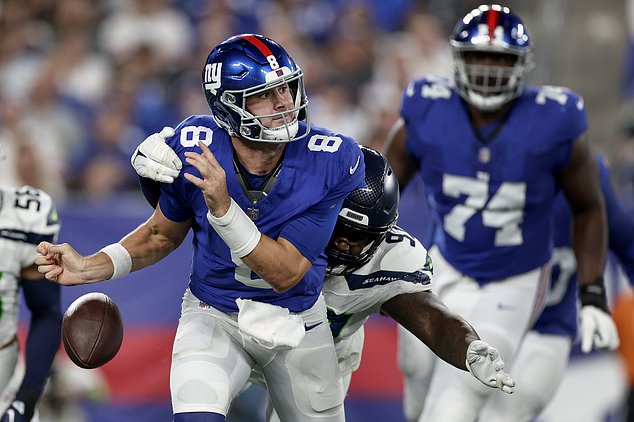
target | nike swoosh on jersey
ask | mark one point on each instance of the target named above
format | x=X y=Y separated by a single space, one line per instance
x=354 y=168
x=505 y=307
x=310 y=327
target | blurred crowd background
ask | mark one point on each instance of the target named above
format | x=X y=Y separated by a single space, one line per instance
x=83 y=82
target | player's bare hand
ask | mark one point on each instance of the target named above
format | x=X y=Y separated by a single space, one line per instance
x=59 y=263
x=214 y=181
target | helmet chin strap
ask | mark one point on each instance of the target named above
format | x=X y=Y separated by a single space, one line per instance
x=284 y=133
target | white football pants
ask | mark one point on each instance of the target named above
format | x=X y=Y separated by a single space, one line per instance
x=537 y=370
x=212 y=362
x=501 y=312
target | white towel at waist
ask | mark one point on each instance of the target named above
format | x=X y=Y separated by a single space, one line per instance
x=269 y=325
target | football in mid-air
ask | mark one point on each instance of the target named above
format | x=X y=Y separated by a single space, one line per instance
x=92 y=330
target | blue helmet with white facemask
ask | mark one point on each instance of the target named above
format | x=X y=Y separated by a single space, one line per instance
x=491 y=29
x=247 y=65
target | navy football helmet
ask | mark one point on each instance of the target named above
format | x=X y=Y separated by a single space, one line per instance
x=247 y=65
x=367 y=213
x=491 y=29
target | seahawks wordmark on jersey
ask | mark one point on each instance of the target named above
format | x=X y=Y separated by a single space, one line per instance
x=400 y=265
x=314 y=178
x=492 y=191
x=27 y=217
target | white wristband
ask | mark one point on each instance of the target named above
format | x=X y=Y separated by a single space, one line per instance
x=121 y=259
x=237 y=230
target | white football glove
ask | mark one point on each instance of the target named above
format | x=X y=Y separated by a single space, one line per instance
x=484 y=363
x=597 y=329
x=154 y=159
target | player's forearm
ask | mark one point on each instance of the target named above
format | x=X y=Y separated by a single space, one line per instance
x=144 y=246
x=445 y=333
x=278 y=263
x=147 y=245
x=590 y=243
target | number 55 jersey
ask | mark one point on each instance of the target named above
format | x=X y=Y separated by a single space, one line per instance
x=27 y=217
x=492 y=189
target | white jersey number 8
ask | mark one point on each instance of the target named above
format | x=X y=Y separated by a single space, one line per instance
x=324 y=143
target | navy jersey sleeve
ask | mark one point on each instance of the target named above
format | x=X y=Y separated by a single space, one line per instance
x=151 y=190
x=43 y=300
x=620 y=225
x=310 y=232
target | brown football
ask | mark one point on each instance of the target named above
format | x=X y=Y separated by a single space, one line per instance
x=92 y=330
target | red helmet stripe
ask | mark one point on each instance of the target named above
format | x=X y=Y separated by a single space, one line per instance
x=258 y=44
x=492 y=22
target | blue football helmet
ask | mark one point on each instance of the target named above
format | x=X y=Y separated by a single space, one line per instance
x=367 y=213
x=247 y=65
x=491 y=29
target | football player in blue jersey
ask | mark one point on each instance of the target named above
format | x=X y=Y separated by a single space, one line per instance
x=27 y=216
x=373 y=266
x=543 y=355
x=493 y=154
x=261 y=190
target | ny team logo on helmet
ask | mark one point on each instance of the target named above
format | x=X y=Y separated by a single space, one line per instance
x=491 y=29
x=247 y=65
x=370 y=211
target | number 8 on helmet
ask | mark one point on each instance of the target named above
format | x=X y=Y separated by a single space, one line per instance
x=248 y=65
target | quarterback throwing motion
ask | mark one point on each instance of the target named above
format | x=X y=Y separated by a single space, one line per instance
x=261 y=190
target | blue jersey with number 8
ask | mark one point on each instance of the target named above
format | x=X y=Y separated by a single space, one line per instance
x=317 y=173
x=492 y=198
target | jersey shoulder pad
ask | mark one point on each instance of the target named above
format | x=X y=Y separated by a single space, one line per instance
x=560 y=107
x=34 y=211
x=321 y=139
x=338 y=153
x=401 y=251
x=555 y=97
x=421 y=94
x=193 y=129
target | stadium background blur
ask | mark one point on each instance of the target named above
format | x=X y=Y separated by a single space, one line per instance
x=83 y=82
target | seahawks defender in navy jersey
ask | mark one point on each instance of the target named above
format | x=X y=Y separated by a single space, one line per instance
x=493 y=155
x=543 y=355
x=27 y=216
x=261 y=189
